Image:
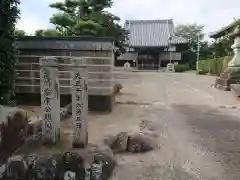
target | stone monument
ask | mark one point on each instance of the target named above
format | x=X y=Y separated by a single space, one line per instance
x=50 y=100
x=232 y=73
x=79 y=102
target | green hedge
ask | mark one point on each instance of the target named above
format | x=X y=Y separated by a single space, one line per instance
x=181 y=67
x=213 y=66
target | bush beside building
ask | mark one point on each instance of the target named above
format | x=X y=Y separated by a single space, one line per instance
x=213 y=66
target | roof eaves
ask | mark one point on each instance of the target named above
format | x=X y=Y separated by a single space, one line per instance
x=221 y=31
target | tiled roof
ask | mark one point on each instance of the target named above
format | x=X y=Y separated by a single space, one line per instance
x=224 y=30
x=152 y=33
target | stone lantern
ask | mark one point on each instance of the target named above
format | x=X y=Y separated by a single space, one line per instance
x=232 y=74
x=234 y=64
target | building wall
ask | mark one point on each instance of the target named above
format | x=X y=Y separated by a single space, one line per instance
x=175 y=56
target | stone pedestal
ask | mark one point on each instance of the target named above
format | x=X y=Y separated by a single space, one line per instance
x=232 y=74
x=79 y=103
x=50 y=100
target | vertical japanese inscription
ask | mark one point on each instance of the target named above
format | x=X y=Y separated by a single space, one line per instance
x=79 y=94
x=79 y=105
x=49 y=99
x=47 y=95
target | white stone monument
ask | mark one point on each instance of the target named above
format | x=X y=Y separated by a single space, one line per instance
x=79 y=102
x=170 y=67
x=127 y=65
x=50 y=100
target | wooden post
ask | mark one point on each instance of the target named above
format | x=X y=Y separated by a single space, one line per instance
x=50 y=100
x=79 y=103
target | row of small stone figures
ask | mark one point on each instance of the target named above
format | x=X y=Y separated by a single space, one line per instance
x=69 y=166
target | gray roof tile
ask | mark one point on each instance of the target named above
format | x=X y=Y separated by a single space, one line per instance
x=153 y=33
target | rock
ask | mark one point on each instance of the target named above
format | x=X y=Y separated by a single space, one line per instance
x=109 y=139
x=119 y=143
x=14 y=130
x=69 y=175
x=2 y=170
x=71 y=164
x=34 y=127
x=118 y=87
x=30 y=160
x=44 y=168
x=16 y=168
x=149 y=125
x=151 y=134
x=66 y=111
x=140 y=142
x=103 y=164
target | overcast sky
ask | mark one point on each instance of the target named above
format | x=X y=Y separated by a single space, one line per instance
x=213 y=14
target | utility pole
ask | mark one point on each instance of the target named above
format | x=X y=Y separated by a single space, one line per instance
x=169 y=49
x=198 y=46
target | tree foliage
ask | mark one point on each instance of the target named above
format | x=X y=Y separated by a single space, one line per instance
x=8 y=16
x=88 y=18
x=222 y=47
x=48 y=32
x=191 y=33
x=19 y=32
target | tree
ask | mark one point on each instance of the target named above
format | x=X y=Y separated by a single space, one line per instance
x=191 y=32
x=80 y=17
x=48 y=32
x=9 y=14
x=222 y=47
x=19 y=32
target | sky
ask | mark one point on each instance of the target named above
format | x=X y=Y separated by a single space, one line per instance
x=213 y=14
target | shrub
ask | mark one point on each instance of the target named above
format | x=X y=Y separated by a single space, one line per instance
x=181 y=67
x=202 y=72
x=213 y=66
x=8 y=17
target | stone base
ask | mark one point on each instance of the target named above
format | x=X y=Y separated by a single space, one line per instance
x=222 y=84
x=236 y=89
x=81 y=145
x=230 y=76
x=49 y=142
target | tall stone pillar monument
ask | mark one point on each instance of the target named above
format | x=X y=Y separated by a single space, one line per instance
x=79 y=102
x=50 y=100
x=232 y=74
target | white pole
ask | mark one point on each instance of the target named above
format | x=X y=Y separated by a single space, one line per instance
x=198 y=46
x=170 y=54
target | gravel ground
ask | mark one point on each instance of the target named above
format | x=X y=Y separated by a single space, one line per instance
x=198 y=127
